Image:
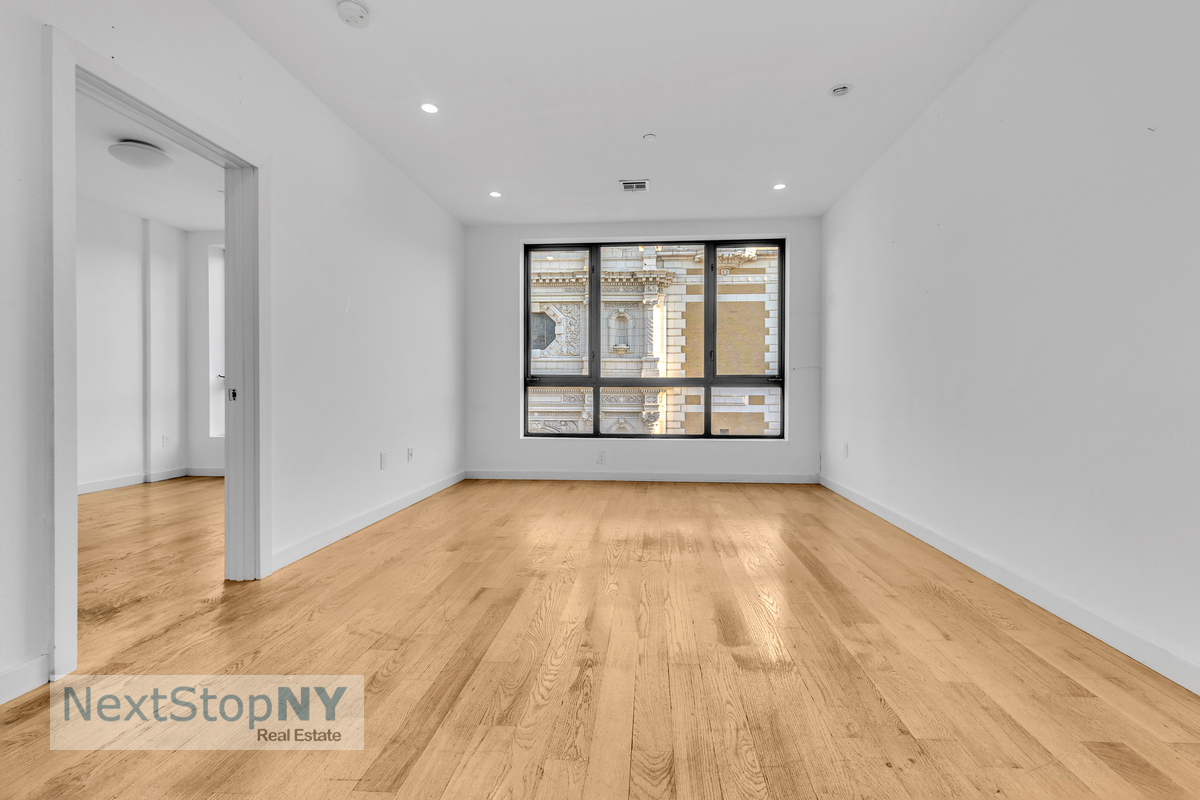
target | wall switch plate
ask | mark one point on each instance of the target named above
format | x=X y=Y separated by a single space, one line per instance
x=410 y=454
x=601 y=457
x=383 y=459
x=166 y=440
x=845 y=449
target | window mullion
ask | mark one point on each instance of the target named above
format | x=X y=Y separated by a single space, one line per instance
x=594 y=333
x=710 y=330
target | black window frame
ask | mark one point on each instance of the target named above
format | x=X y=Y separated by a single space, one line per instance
x=711 y=379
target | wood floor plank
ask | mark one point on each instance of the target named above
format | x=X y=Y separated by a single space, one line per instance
x=692 y=737
x=561 y=640
x=611 y=743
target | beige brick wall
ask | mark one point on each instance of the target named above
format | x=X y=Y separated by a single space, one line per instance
x=741 y=346
x=746 y=423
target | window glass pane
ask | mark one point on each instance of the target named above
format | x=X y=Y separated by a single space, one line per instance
x=558 y=312
x=747 y=311
x=652 y=311
x=746 y=412
x=554 y=409
x=652 y=410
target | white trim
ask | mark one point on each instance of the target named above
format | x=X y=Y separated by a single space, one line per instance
x=134 y=480
x=672 y=477
x=1155 y=656
x=61 y=63
x=24 y=678
x=166 y=475
x=111 y=483
x=206 y=472
x=310 y=545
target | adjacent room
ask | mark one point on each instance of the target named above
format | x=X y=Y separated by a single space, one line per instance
x=632 y=400
x=150 y=305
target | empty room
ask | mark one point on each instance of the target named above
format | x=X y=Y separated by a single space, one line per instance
x=546 y=401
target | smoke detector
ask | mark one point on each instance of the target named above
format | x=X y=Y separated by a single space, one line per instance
x=635 y=186
x=841 y=90
x=354 y=13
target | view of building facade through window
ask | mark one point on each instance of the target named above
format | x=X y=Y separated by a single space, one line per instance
x=652 y=320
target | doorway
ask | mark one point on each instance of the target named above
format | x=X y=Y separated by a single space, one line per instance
x=150 y=333
x=78 y=75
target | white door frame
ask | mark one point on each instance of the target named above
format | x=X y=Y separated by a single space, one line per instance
x=70 y=68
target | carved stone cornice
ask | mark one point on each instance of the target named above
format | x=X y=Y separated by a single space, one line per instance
x=736 y=259
x=642 y=277
x=579 y=278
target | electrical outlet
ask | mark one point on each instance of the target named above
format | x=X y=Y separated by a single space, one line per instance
x=410 y=454
x=601 y=457
x=383 y=459
x=166 y=440
x=845 y=449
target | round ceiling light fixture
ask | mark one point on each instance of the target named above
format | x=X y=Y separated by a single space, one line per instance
x=354 y=13
x=841 y=90
x=494 y=194
x=142 y=155
x=779 y=186
x=429 y=108
x=649 y=137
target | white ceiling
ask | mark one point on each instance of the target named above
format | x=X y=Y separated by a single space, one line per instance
x=547 y=100
x=187 y=196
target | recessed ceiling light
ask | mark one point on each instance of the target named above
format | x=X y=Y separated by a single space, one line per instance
x=841 y=90
x=494 y=194
x=354 y=13
x=140 y=154
x=549 y=258
x=429 y=108
x=649 y=137
x=781 y=186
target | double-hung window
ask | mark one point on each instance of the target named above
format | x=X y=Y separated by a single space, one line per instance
x=680 y=339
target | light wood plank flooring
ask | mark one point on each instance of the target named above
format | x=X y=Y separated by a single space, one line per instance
x=570 y=640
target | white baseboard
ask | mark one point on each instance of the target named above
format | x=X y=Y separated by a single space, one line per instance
x=292 y=553
x=111 y=483
x=154 y=477
x=1153 y=655
x=166 y=475
x=24 y=678
x=674 y=477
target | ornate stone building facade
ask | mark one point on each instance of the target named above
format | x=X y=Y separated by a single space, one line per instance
x=652 y=326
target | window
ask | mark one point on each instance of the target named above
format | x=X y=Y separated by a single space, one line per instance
x=672 y=340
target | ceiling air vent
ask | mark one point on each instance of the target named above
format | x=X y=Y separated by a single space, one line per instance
x=635 y=186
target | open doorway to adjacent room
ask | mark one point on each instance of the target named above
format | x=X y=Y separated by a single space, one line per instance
x=156 y=345
x=150 y=338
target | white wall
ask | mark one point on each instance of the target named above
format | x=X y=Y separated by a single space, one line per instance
x=206 y=453
x=1012 y=335
x=109 y=310
x=131 y=328
x=167 y=272
x=365 y=270
x=494 y=366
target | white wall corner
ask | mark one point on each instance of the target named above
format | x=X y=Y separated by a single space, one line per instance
x=292 y=553
x=1158 y=658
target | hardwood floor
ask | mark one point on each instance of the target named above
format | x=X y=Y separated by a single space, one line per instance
x=551 y=640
